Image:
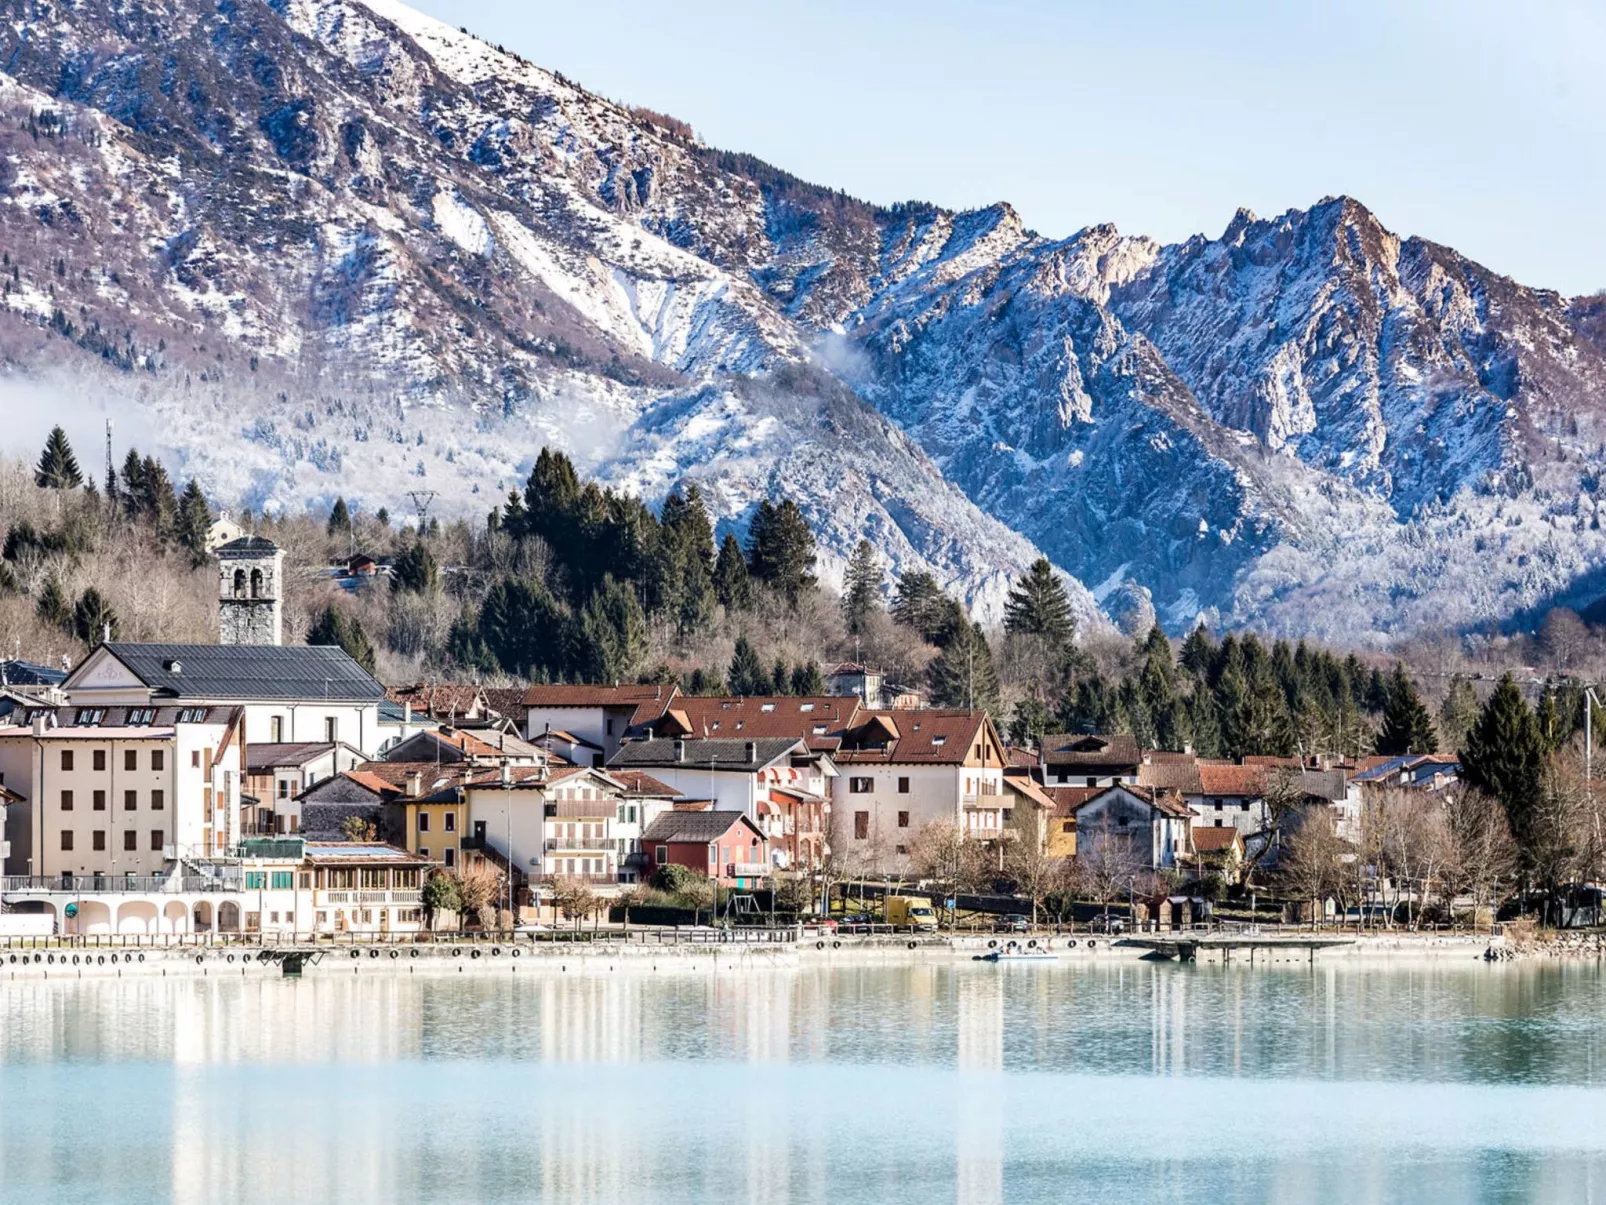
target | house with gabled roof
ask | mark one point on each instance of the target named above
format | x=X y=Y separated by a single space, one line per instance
x=724 y=845
x=1153 y=826
x=602 y=715
x=902 y=770
x=1088 y=759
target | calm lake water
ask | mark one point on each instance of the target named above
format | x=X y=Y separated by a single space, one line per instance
x=968 y=1083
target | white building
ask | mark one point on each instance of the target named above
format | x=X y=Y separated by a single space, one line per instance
x=600 y=715
x=549 y=824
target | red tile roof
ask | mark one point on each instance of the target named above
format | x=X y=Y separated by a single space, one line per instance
x=818 y=721
x=1091 y=749
x=1068 y=799
x=637 y=783
x=1171 y=775
x=1215 y=839
x=925 y=736
x=1215 y=779
x=631 y=694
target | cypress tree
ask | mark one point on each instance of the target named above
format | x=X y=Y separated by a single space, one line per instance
x=1407 y=726
x=58 y=467
x=1504 y=754
x=781 y=549
x=92 y=615
x=731 y=584
x=1038 y=606
x=334 y=627
x=861 y=586
x=747 y=676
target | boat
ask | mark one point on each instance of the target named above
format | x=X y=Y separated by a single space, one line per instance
x=1014 y=953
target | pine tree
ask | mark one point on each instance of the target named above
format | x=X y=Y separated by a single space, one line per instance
x=382 y=517
x=415 y=569
x=963 y=675
x=807 y=680
x=52 y=606
x=340 y=518
x=781 y=549
x=1504 y=754
x=92 y=617
x=58 y=467
x=780 y=680
x=1407 y=726
x=158 y=502
x=1038 y=606
x=525 y=628
x=194 y=522
x=334 y=627
x=731 y=584
x=466 y=648
x=1157 y=689
x=747 y=676
x=132 y=489
x=861 y=586
x=920 y=604
x=611 y=638
x=1198 y=653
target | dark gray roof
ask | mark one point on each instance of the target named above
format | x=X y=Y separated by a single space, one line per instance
x=268 y=756
x=692 y=826
x=249 y=671
x=25 y=673
x=249 y=544
x=724 y=754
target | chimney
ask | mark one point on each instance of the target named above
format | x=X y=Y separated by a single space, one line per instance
x=507 y=774
x=39 y=724
x=415 y=784
x=680 y=750
x=752 y=751
x=407 y=713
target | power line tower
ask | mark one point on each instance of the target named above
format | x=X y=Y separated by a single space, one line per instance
x=421 y=503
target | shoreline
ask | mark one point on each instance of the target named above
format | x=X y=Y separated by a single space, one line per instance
x=608 y=957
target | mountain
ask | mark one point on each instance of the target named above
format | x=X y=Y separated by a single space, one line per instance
x=332 y=247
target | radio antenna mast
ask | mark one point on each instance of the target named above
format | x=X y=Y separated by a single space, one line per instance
x=111 y=473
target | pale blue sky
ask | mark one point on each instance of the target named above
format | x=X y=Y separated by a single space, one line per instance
x=1474 y=123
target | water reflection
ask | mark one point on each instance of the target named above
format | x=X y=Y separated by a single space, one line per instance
x=844 y=1083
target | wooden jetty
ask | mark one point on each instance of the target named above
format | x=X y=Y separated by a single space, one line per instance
x=1185 y=947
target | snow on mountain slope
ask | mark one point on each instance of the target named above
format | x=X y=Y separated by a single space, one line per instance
x=335 y=246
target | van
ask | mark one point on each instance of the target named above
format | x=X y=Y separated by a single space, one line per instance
x=911 y=910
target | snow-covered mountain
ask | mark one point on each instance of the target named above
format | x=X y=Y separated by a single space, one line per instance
x=334 y=246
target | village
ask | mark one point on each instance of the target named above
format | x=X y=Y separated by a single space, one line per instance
x=256 y=790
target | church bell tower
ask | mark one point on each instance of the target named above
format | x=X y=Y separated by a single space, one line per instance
x=250 y=573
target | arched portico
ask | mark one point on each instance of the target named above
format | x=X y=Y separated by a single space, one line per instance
x=175 y=917
x=136 y=917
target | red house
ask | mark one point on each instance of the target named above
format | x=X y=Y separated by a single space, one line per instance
x=725 y=846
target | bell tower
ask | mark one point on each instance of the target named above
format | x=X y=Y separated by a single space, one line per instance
x=250 y=573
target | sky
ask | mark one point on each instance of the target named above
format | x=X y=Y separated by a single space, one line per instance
x=1477 y=124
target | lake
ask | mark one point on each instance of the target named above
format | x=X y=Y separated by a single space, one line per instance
x=1131 y=1081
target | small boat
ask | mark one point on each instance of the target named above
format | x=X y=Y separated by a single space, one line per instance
x=1014 y=953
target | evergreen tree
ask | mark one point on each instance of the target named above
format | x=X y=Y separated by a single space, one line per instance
x=684 y=564
x=1407 y=726
x=861 y=586
x=92 y=616
x=920 y=604
x=58 y=467
x=1198 y=653
x=415 y=569
x=334 y=627
x=52 y=606
x=780 y=680
x=781 y=549
x=962 y=675
x=1377 y=692
x=1553 y=729
x=382 y=517
x=158 y=502
x=747 y=676
x=132 y=490
x=340 y=518
x=1038 y=606
x=525 y=628
x=611 y=639
x=466 y=648
x=1157 y=691
x=1029 y=723
x=194 y=522
x=731 y=585
x=704 y=682
x=807 y=680
x=1504 y=755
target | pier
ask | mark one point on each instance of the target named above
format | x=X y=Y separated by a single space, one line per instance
x=1185 y=947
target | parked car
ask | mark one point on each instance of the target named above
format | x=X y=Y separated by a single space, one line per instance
x=1013 y=923
x=1106 y=924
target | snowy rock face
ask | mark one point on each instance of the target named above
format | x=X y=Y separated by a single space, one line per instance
x=336 y=247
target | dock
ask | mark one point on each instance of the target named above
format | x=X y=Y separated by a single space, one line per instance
x=1185 y=947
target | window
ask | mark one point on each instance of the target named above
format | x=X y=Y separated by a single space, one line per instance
x=978 y=752
x=903 y=786
x=423 y=822
x=306 y=880
x=284 y=880
x=903 y=850
x=331 y=729
x=1067 y=826
x=98 y=839
x=660 y=854
x=372 y=879
x=130 y=759
x=276 y=729
x=97 y=759
x=141 y=717
x=66 y=801
x=158 y=759
x=66 y=840
x=423 y=851
x=284 y=788
x=861 y=825
x=98 y=801
x=158 y=800
x=404 y=879
x=903 y=819
x=256 y=880
x=89 y=716
x=130 y=840
x=1220 y=822
x=1218 y=805
x=861 y=786
x=192 y=715
x=1092 y=782
x=451 y=822
x=130 y=800
x=157 y=840
x=195 y=759
x=449 y=856
x=66 y=759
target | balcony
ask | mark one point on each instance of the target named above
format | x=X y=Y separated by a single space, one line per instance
x=590 y=880
x=748 y=870
x=580 y=843
x=120 y=884
x=982 y=802
x=347 y=898
x=583 y=809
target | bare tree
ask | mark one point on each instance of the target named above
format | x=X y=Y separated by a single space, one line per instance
x=1036 y=873
x=1481 y=853
x=575 y=899
x=1281 y=795
x=1414 y=842
x=479 y=884
x=1106 y=864
x=1312 y=867
x=941 y=852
